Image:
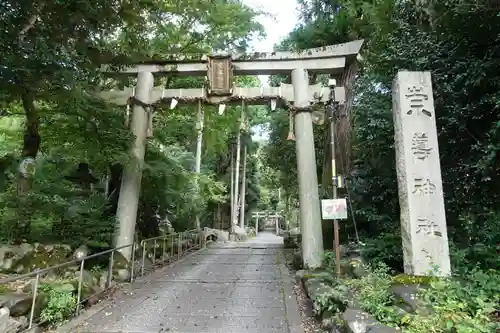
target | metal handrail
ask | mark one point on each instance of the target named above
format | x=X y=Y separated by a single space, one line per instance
x=176 y=242
x=180 y=246
x=65 y=264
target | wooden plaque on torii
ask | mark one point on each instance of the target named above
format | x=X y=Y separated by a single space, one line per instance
x=220 y=75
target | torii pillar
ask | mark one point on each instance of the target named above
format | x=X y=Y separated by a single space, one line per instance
x=310 y=214
x=128 y=202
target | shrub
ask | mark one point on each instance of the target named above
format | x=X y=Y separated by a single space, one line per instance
x=385 y=248
x=61 y=304
x=465 y=304
x=374 y=295
x=460 y=305
x=329 y=260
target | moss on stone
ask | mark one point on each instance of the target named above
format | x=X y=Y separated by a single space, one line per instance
x=119 y=261
x=5 y=289
x=412 y=279
x=69 y=286
x=41 y=258
x=317 y=274
x=355 y=262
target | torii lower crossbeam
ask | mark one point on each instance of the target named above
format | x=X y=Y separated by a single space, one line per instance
x=255 y=96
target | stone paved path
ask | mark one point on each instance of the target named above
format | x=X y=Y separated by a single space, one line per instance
x=227 y=288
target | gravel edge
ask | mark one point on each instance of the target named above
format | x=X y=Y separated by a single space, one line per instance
x=309 y=323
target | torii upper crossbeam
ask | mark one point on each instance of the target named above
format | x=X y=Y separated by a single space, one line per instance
x=328 y=60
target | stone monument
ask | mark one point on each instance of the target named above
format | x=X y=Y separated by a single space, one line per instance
x=423 y=220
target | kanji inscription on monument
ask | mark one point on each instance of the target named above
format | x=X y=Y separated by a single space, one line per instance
x=423 y=219
x=420 y=145
x=417 y=97
x=428 y=228
x=423 y=186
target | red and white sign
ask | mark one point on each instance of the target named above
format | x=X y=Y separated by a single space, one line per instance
x=334 y=209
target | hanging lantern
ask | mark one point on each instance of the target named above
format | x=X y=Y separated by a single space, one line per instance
x=291 y=135
x=273 y=105
x=128 y=109
x=199 y=122
x=318 y=117
x=149 y=132
x=173 y=103
x=222 y=107
x=243 y=123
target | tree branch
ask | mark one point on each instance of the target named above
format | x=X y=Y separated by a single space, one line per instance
x=29 y=25
x=31 y=143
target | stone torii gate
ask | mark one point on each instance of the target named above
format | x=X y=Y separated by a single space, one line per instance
x=266 y=214
x=298 y=97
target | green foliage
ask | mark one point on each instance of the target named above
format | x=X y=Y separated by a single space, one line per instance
x=329 y=260
x=10 y=134
x=412 y=36
x=60 y=306
x=330 y=302
x=385 y=247
x=463 y=115
x=460 y=306
x=49 y=74
x=412 y=279
x=374 y=295
x=449 y=305
x=465 y=305
x=61 y=208
x=280 y=153
x=417 y=36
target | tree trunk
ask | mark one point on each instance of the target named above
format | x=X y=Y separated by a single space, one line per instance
x=231 y=182
x=243 y=188
x=237 y=166
x=236 y=182
x=219 y=216
x=114 y=184
x=31 y=145
x=287 y=211
x=199 y=142
x=147 y=226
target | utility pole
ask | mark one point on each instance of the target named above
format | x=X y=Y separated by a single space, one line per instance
x=333 y=109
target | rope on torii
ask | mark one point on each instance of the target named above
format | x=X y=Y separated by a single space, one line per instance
x=291 y=132
x=151 y=107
